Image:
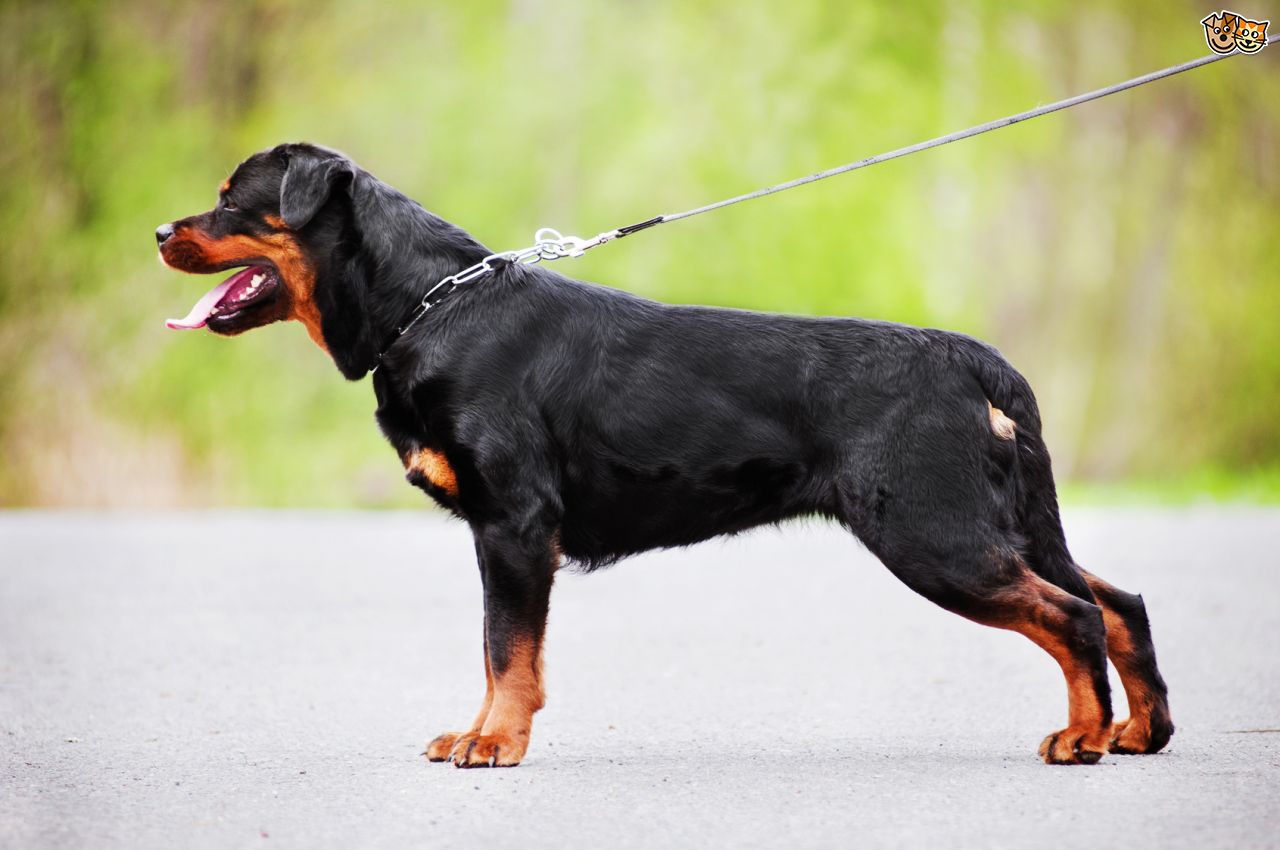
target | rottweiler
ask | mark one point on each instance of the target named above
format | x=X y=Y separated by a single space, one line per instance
x=568 y=422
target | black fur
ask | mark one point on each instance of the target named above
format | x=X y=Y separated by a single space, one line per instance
x=587 y=422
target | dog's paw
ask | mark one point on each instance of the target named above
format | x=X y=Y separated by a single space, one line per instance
x=1141 y=735
x=496 y=750
x=1075 y=745
x=440 y=746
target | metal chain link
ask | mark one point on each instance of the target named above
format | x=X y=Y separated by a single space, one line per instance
x=548 y=244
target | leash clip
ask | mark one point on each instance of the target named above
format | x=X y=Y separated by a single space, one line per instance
x=550 y=244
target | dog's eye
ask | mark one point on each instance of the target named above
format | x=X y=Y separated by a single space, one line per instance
x=229 y=205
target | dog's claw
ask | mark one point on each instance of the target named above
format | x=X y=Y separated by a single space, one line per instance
x=439 y=748
x=496 y=750
x=1074 y=745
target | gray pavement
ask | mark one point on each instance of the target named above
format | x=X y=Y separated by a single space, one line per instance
x=269 y=679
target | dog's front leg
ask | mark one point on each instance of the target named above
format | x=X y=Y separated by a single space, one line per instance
x=517 y=567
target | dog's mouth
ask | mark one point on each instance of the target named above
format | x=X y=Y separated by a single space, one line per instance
x=244 y=290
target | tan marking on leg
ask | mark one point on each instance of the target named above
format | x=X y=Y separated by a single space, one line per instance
x=500 y=735
x=517 y=694
x=433 y=465
x=1083 y=709
x=1035 y=608
x=1002 y=426
x=1132 y=735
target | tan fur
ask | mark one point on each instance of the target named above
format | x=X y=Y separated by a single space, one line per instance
x=1002 y=426
x=516 y=694
x=282 y=249
x=1033 y=609
x=435 y=467
x=499 y=735
x=1133 y=734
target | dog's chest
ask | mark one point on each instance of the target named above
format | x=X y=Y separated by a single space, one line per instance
x=426 y=465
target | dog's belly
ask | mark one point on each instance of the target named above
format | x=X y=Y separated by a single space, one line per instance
x=623 y=509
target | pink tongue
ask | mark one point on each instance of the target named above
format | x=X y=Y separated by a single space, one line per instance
x=200 y=312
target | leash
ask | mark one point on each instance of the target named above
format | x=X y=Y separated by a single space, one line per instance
x=550 y=245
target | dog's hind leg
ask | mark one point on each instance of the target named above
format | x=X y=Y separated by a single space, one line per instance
x=1073 y=632
x=1149 y=725
x=999 y=590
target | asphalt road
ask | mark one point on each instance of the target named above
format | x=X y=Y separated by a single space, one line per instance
x=268 y=680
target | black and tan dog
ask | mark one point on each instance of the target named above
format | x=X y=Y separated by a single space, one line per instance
x=563 y=420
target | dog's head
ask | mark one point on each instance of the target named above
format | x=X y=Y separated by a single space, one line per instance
x=265 y=226
x=1220 y=32
x=316 y=239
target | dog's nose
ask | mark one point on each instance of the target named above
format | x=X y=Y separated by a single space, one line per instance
x=163 y=232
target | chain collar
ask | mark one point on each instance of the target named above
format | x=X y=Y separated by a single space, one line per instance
x=548 y=245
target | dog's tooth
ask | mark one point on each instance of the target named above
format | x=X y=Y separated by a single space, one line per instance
x=257 y=279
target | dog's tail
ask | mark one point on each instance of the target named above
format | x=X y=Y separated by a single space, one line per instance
x=1037 y=497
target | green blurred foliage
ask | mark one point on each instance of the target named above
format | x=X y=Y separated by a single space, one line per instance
x=1122 y=254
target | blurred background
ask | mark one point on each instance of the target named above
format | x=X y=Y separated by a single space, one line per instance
x=1123 y=254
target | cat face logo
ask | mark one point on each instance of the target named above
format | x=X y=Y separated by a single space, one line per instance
x=1228 y=31
x=1251 y=36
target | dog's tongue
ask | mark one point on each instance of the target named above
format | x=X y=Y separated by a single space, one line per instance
x=200 y=312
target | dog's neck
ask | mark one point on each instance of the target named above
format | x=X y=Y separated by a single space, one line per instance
x=382 y=270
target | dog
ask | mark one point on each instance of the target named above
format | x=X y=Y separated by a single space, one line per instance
x=1220 y=31
x=570 y=422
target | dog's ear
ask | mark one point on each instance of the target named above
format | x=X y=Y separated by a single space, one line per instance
x=310 y=179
